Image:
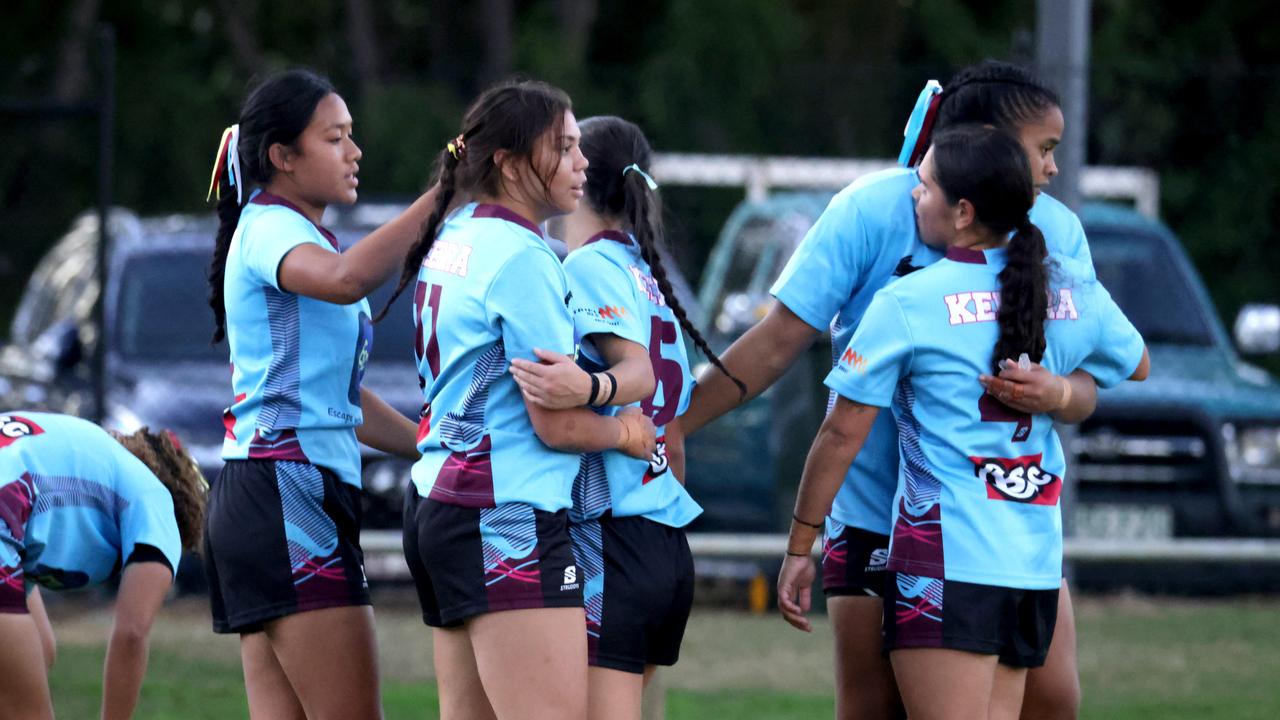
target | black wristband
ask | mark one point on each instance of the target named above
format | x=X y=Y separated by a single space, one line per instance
x=797 y=554
x=595 y=389
x=795 y=517
x=613 y=387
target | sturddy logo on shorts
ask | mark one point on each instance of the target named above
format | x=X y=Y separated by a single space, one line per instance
x=570 y=578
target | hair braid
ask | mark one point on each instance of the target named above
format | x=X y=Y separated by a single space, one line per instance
x=612 y=144
x=228 y=220
x=447 y=178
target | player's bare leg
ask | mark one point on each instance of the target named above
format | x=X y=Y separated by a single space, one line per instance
x=533 y=663
x=943 y=684
x=1053 y=690
x=865 y=686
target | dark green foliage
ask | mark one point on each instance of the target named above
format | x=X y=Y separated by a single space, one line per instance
x=1190 y=90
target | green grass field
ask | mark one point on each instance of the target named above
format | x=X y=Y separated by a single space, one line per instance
x=1139 y=658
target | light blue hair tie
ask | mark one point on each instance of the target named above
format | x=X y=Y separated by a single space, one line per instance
x=653 y=185
x=920 y=121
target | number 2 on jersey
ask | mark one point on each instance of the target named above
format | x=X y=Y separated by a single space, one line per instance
x=668 y=373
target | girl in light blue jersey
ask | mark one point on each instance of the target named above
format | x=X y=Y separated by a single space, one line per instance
x=486 y=530
x=283 y=534
x=867 y=237
x=628 y=514
x=976 y=549
x=78 y=507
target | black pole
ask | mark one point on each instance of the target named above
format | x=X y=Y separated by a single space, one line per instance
x=106 y=160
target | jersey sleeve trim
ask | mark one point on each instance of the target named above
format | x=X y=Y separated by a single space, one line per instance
x=142 y=552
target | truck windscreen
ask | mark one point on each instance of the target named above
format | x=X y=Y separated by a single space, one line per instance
x=1140 y=273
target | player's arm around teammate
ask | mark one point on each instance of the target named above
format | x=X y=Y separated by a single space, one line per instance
x=951 y=650
x=629 y=515
x=556 y=382
x=486 y=519
x=864 y=238
x=291 y=304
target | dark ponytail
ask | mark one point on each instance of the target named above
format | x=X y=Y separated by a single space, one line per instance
x=611 y=145
x=987 y=167
x=1024 y=297
x=228 y=220
x=277 y=111
x=994 y=93
x=511 y=116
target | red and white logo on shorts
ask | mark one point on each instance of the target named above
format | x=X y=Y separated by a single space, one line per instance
x=1020 y=479
x=13 y=427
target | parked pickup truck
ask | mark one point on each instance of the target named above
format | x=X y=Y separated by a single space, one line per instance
x=1192 y=452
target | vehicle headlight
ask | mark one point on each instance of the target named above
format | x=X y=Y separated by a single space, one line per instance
x=1253 y=452
x=385 y=475
x=1260 y=446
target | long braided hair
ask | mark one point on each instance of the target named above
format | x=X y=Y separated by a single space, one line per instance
x=277 y=111
x=511 y=116
x=611 y=145
x=987 y=167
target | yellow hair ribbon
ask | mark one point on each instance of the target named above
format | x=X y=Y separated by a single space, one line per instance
x=219 y=161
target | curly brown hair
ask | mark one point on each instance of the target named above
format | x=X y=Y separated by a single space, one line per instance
x=164 y=455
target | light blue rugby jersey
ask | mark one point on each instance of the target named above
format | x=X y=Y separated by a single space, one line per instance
x=489 y=291
x=614 y=293
x=74 y=504
x=978 y=483
x=297 y=362
x=855 y=248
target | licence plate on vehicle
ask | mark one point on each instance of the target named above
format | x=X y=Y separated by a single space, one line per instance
x=1106 y=521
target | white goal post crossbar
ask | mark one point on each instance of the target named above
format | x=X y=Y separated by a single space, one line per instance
x=759 y=174
x=384 y=558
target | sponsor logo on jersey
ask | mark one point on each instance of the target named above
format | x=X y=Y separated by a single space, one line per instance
x=658 y=462
x=982 y=305
x=854 y=360
x=570 y=578
x=1020 y=479
x=14 y=428
x=449 y=257
x=612 y=312
x=648 y=286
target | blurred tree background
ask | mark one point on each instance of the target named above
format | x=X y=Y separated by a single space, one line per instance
x=1187 y=89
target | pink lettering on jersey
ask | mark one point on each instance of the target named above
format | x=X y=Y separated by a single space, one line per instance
x=958 y=312
x=1065 y=308
x=449 y=257
x=985 y=304
x=978 y=306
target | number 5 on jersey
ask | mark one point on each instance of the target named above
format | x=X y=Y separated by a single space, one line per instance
x=669 y=374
